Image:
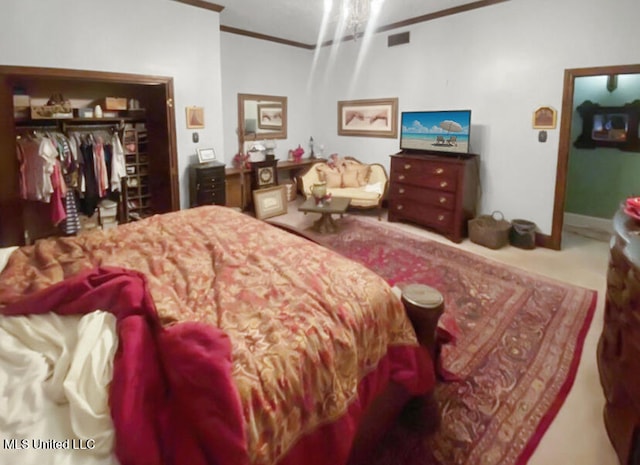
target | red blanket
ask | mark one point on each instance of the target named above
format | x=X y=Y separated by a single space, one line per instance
x=172 y=398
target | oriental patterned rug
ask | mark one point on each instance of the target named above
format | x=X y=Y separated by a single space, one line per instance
x=521 y=337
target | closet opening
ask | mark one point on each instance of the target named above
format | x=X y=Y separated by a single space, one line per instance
x=88 y=106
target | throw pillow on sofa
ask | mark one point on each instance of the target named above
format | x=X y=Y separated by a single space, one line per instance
x=350 y=178
x=331 y=176
x=359 y=171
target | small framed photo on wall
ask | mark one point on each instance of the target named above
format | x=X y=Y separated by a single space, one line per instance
x=544 y=118
x=195 y=117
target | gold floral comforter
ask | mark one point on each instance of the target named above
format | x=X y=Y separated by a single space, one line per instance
x=306 y=325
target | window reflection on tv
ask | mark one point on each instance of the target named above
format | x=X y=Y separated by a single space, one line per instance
x=610 y=127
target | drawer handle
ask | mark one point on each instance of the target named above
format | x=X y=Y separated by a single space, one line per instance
x=399 y=207
x=443 y=200
x=444 y=184
x=440 y=217
x=401 y=191
x=401 y=177
x=438 y=171
x=407 y=166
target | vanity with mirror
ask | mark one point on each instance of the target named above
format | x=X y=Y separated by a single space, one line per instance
x=260 y=117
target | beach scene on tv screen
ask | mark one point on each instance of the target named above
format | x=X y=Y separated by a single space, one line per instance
x=437 y=130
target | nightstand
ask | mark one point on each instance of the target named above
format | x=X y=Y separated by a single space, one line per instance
x=207 y=184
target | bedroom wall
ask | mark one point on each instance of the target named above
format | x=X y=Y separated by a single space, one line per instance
x=155 y=37
x=503 y=62
x=251 y=66
x=599 y=179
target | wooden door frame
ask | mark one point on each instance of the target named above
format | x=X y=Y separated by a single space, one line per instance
x=116 y=78
x=554 y=241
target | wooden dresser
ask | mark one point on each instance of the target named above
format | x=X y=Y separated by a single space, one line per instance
x=619 y=345
x=439 y=192
x=207 y=184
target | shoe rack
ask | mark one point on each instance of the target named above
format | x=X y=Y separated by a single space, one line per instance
x=138 y=196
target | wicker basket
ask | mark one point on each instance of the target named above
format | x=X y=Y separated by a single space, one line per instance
x=491 y=231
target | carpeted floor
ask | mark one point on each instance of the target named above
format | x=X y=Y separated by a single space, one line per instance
x=516 y=358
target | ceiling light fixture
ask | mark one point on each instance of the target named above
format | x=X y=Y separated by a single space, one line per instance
x=357 y=14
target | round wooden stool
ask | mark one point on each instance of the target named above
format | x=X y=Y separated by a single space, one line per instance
x=424 y=306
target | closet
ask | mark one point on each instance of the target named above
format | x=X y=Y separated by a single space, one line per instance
x=151 y=185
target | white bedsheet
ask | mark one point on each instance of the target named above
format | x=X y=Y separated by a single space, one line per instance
x=54 y=378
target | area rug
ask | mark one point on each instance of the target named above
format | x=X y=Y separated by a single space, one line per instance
x=521 y=337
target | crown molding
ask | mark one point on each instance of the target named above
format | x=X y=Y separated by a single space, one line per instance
x=407 y=22
x=255 y=35
x=440 y=14
x=202 y=4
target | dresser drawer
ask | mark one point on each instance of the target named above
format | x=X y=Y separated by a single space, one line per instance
x=426 y=173
x=207 y=197
x=210 y=184
x=406 y=192
x=420 y=180
x=212 y=172
x=424 y=214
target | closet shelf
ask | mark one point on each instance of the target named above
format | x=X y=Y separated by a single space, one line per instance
x=54 y=121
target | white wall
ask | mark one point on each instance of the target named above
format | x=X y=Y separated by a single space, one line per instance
x=251 y=66
x=502 y=62
x=156 y=37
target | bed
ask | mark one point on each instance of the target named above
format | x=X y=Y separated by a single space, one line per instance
x=212 y=338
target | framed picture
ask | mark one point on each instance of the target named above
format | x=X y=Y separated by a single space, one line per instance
x=270 y=202
x=544 y=118
x=608 y=126
x=206 y=155
x=195 y=117
x=269 y=116
x=368 y=118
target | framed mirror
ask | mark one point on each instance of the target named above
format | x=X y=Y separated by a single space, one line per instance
x=262 y=117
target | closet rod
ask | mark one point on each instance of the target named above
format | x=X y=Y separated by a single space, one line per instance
x=72 y=127
x=20 y=130
x=33 y=127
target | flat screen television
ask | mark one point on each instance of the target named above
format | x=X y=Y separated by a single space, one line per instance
x=435 y=131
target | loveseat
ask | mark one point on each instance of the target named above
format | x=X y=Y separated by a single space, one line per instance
x=365 y=184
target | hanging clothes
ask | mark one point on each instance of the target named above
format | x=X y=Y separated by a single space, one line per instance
x=37 y=157
x=118 y=163
x=89 y=200
x=58 y=213
x=100 y=167
x=71 y=172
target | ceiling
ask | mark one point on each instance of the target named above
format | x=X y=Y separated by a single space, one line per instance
x=299 y=21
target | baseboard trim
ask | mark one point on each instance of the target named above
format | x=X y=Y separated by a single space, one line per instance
x=544 y=240
x=588 y=222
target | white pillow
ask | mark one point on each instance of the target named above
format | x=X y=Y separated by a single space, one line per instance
x=375 y=187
